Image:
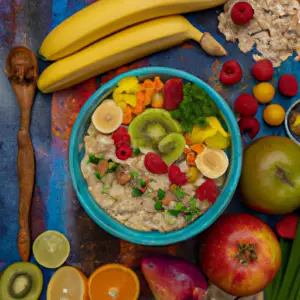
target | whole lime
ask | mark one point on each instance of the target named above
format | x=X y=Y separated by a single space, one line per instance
x=270 y=179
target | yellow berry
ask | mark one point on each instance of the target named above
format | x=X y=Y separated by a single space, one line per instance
x=274 y=114
x=264 y=92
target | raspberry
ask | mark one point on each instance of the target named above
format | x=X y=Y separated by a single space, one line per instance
x=246 y=105
x=263 y=70
x=231 y=73
x=176 y=176
x=123 y=152
x=288 y=85
x=242 y=13
x=120 y=136
x=208 y=190
x=155 y=164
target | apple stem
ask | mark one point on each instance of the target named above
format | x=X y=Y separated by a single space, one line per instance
x=246 y=253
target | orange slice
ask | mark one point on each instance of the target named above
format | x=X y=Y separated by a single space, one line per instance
x=114 y=282
x=68 y=283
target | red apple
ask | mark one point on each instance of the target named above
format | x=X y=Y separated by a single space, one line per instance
x=240 y=254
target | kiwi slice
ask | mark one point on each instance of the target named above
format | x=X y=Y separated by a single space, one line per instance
x=148 y=128
x=171 y=147
x=21 y=281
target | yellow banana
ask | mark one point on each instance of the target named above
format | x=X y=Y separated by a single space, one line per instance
x=105 y=17
x=121 y=48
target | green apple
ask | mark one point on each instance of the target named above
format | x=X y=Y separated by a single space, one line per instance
x=270 y=179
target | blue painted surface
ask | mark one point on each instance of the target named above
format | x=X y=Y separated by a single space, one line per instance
x=55 y=205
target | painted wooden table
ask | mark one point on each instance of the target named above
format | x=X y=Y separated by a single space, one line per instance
x=55 y=206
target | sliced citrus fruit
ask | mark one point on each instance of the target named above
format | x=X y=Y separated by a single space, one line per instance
x=51 y=249
x=113 y=282
x=67 y=283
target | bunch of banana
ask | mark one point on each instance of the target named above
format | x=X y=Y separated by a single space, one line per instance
x=84 y=49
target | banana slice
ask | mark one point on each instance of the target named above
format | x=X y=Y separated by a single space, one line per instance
x=212 y=163
x=107 y=117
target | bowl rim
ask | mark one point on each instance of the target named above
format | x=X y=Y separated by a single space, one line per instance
x=155 y=238
x=286 y=122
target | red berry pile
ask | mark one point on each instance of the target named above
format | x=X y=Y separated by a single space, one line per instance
x=155 y=164
x=208 y=190
x=176 y=176
x=122 y=140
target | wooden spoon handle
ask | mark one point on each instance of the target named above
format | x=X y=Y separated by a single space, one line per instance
x=26 y=170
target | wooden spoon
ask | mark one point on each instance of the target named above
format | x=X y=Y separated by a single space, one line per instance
x=22 y=72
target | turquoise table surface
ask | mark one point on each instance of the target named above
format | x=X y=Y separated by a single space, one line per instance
x=55 y=206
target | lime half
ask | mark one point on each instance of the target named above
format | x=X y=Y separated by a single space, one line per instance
x=51 y=249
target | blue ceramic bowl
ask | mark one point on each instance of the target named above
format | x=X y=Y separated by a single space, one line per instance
x=76 y=152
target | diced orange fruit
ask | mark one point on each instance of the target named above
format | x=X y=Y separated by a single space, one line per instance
x=198 y=148
x=140 y=107
x=127 y=116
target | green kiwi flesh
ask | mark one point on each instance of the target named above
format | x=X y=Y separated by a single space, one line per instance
x=171 y=147
x=22 y=280
x=148 y=128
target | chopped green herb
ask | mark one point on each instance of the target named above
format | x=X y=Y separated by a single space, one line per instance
x=179 y=193
x=149 y=191
x=136 y=192
x=113 y=166
x=151 y=180
x=105 y=190
x=97 y=174
x=158 y=205
x=95 y=159
x=136 y=152
x=178 y=206
x=193 y=202
x=143 y=183
x=173 y=212
x=189 y=218
x=161 y=194
x=134 y=174
x=193 y=210
x=195 y=107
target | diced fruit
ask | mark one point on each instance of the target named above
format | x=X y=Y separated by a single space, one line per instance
x=216 y=124
x=113 y=281
x=242 y=13
x=287 y=226
x=144 y=183
x=274 y=115
x=208 y=191
x=231 y=73
x=22 y=280
x=264 y=92
x=123 y=152
x=127 y=115
x=107 y=117
x=288 y=85
x=218 y=141
x=200 y=134
x=68 y=281
x=249 y=124
x=159 y=272
x=198 y=148
x=51 y=249
x=263 y=70
x=155 y=164
x=173 y=93
x=246 y=105
x=102 y=167
x=140 y=106
x=148 y=128
x=176 y=176
x=212 y=163
x=171 y=147
x=190 y=159
x=193 y=174
x=157 y=100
